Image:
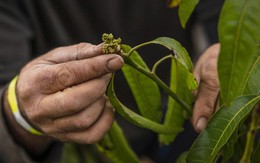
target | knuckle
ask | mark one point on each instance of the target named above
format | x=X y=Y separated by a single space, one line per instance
x=46 y=80
x=82 y=48
x=82 y=123
x=95 y=68
x=68 y=105
x=83 y=45
x=24 y=92
x=210 y=76
x=206 y=111
x=64 y=76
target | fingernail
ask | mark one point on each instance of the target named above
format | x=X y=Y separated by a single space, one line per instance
x=201 y=124
x=115 y=63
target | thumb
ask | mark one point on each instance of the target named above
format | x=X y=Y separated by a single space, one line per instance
x=204 y=106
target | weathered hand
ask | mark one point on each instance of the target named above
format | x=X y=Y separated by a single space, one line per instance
x=62 y=93
x=207 y=95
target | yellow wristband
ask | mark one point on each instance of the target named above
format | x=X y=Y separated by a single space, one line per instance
x=11 y=97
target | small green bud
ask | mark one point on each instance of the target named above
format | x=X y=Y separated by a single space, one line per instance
x=111 y=45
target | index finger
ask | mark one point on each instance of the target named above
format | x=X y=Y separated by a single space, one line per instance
x=73 y=53
x=61 y=76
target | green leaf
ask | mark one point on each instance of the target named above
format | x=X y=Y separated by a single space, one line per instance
x=228 y=149
x=135 y=118
x=182 y=157
x=238 y=34
x=256 y=154
x=70 y=154
x=178 y=50
x=220 y=128
x=146 y=92
x=115 y=146
x=185 y=10
x=182 y=83
x=251 y=85
x=78 y=153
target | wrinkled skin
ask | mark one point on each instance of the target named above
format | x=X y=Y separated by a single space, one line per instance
x=207 y=94
x=62 y=93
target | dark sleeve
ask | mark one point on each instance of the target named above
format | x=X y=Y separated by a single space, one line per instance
x=15 y=40
x=15 y=50
x=207 y=14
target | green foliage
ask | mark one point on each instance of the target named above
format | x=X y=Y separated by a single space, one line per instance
x=182 y=83
x=135 y=118
x=186 y=7
x=177 y=50
x=115 y=146
x=182 y=157
x=145 y=90
x=76 y=153
x=238 y=68
x=227 y=135
x=219 y=129
x=251 y=84
x=239 y=34
x=70 y=154
x=185 y=10
x=256 y=155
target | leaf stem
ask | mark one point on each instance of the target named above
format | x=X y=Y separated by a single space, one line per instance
x=156 y=79
x=251 y=137
x=159 y=62
x=136 y=47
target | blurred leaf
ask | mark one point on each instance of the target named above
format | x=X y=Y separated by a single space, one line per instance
x=256 y=154
x=174 y=3
x=146 y=92
x=115 y=146
x=177 y=49
x=220 y=128
x=238 y=34
x=182 y=83
x=70 y=154
x=182 y=158
x=185 y=10
x=135 y=118
x=78 y=153
x=239 y=146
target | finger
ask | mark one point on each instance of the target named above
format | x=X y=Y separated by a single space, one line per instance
x=204 y=105
x=95 y=132
x=210 y=54
x=74 y=99
x=73 y=52
x=61 y=76
x=79 y=121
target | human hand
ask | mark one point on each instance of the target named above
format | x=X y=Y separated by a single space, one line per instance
x=207 y=94
x=62 y=93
